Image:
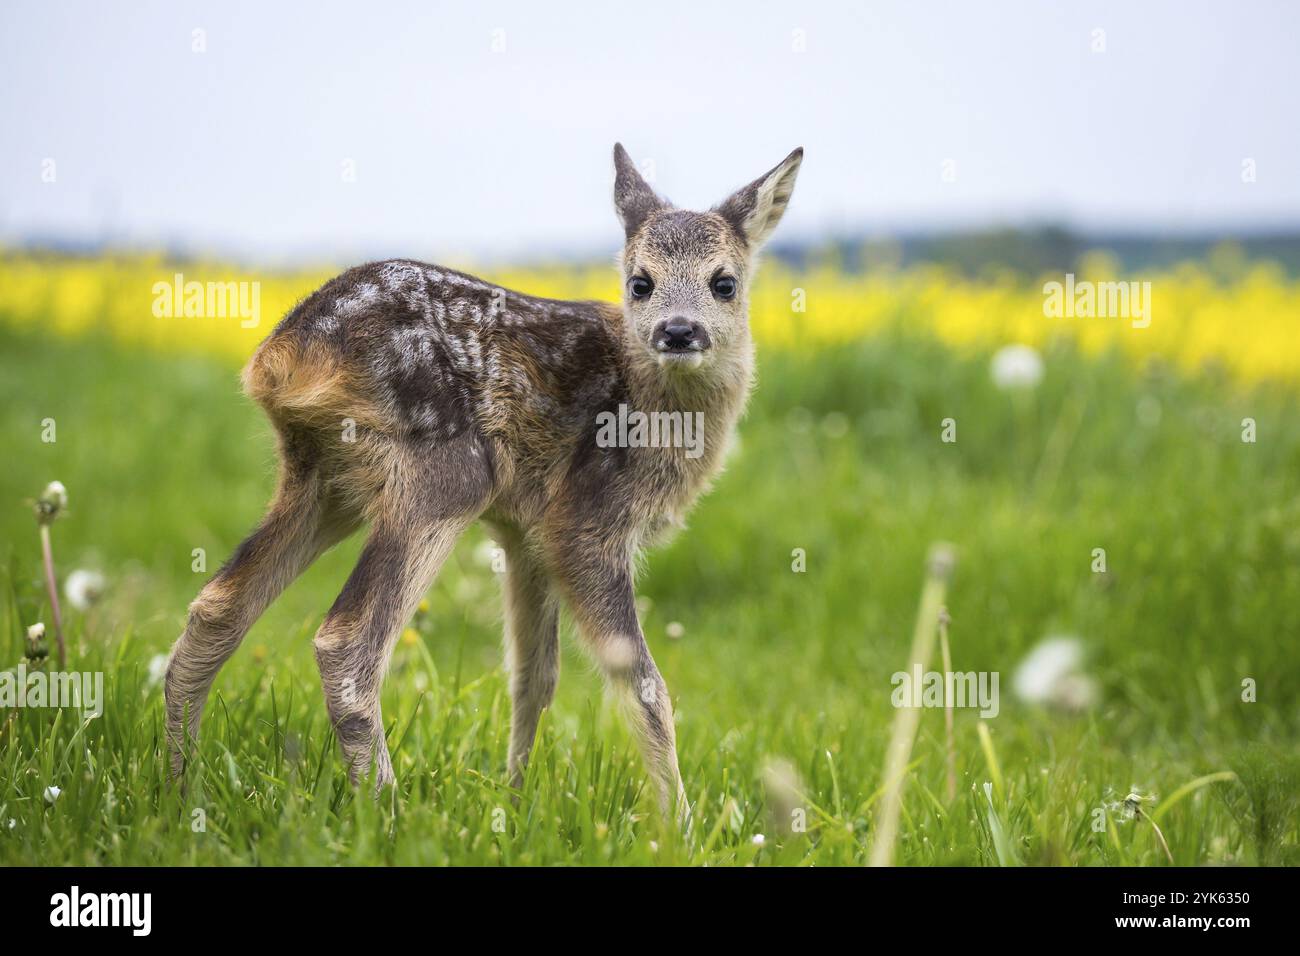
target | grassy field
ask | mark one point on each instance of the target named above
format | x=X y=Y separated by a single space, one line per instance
x=840 y=456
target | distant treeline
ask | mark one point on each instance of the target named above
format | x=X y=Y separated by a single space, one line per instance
x=1027 y=252
x=1047 y=250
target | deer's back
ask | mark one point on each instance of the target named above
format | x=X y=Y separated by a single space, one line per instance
x=412 y=350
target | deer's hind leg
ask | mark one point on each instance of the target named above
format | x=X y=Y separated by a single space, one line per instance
x=427 y=500
x=301 y=523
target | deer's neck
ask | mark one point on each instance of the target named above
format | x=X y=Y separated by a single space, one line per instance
x=715 y=395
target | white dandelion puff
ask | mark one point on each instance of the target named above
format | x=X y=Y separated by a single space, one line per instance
x=1016 y=366
x=1051 y=675
x=485 y=552
x=84 y=588
x=1130 y=806
x=157 y=669
x=617 y=654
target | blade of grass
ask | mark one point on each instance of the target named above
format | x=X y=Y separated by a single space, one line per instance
x=1187 y=789
x=1001 y=843
x=991 y=758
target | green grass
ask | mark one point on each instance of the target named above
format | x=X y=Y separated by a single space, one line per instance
x=840 y=456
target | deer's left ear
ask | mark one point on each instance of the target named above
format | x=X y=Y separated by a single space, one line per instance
x=754 y=210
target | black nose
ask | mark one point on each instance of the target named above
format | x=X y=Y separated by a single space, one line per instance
x=678 y=333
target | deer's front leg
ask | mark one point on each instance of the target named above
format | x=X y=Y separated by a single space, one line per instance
x=598 y=583
x=532 y=646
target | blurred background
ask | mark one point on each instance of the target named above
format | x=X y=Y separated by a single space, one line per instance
x=1122 y=490
x=472 y=130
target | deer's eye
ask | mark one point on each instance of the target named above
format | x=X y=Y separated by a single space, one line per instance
x=640 y=287
x=724 y=287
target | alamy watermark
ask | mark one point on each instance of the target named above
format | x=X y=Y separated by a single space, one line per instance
x=947 y=689
x=208 y=300
x=1102 y=300
x=84 y=691
x=632 y=429
x=133 y=911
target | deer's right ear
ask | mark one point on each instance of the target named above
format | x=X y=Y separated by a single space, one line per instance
x=634 y=200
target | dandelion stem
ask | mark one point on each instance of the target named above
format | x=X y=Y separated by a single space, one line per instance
x=1159 y=835
x=51 y=586
x=906 y=719
x=950 y=792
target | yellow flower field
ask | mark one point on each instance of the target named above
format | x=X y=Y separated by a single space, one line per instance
x=1245 y=318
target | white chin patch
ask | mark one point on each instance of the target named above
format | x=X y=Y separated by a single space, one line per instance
x=681 y=360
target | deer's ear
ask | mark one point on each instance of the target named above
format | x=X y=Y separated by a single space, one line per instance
x=754 y=210
x=634 y=200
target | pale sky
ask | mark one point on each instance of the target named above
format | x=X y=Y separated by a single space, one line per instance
x=485 y=129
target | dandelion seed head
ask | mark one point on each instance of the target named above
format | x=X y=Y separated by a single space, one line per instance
x=1016 y=367
x=51 y=502
x=157 y=670
x=617 y=654
x=1051 y=675
x=84 y=588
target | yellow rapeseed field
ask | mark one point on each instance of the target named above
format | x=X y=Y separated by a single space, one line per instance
x=1244 y=317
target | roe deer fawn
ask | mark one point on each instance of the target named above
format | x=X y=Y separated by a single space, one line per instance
x=417 y=399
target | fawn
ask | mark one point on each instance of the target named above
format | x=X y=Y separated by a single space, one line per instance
x=417 y=399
